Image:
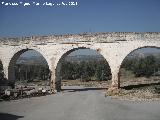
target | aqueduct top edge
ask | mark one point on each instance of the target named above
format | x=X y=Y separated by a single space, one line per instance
x=85 y=37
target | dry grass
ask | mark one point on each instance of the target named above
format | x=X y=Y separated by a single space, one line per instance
x=140 y=94
x=137 y=88
x=98 y=84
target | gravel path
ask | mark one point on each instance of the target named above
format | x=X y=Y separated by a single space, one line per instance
x=77 y=103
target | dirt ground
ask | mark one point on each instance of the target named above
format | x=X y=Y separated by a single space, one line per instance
x=78 y=103
x=141 y=88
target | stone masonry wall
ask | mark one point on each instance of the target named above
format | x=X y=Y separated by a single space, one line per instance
x=114 y=47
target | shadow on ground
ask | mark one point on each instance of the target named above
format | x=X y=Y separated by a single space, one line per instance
x=129 y=87
x=82 y=89
x=6 y=116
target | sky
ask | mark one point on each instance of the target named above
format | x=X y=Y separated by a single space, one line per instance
x=87 y=16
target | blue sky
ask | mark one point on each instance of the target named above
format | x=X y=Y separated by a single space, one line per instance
x=88 y=16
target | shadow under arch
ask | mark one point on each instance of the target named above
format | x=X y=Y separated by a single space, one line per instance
x=132 y=51
x=11 y=68
x=7 y=116
x=59 y=64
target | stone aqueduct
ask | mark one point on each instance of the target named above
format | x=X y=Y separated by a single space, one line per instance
x=113 y=46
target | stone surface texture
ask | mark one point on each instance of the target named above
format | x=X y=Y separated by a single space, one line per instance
x=113 y=46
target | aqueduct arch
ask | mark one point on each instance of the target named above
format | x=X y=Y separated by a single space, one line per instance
x=11 y=69
x=2 y=75
x=131 y=51
x=114 y=46
x=61 y=59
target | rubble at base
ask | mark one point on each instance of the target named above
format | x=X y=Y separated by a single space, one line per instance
x=150 y=93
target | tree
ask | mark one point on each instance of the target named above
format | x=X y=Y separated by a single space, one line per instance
x=141 y=66
x=86 y=70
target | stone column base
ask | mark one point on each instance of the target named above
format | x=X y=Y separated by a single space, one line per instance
x=52 y=87
x=113 y=90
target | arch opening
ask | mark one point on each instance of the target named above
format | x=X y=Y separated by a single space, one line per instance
x=83 y=67
x=140 y=70
x=29 y=68
x=3 y=81
x=2 y=76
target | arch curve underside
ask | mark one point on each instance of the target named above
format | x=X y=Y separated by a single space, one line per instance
x=61 y=60
x=130 y=53
x=11 y=67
